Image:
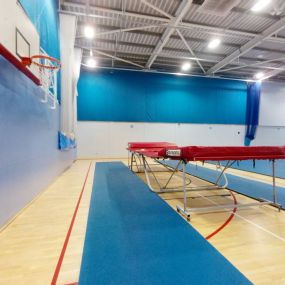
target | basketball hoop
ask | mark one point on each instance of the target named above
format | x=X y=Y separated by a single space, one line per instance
x=45 y=61
x=47 y=71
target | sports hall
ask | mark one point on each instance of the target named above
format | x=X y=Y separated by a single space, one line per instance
x=142 y=142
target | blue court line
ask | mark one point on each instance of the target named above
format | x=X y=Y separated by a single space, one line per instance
x=248 y=187
x=261 y=166
x=133 y=237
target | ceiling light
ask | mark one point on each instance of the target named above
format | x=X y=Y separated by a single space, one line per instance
x=91 y=62
x=214 y=43
x=89 y=32
x=259 y=5
x=186 y=66
x=259 y=75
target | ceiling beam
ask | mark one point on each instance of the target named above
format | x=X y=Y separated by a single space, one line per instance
x=190 y=50
x=157 y=9
x=179 y=14
x=115 y=57
x=114 y=12
x=273 y=29
x=254 y=64
x=139 y=30
x=275 y=72
x=184 y=25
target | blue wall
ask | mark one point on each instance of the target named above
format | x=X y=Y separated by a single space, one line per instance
x=43 y=14
x=29 y=155
x=106 y=95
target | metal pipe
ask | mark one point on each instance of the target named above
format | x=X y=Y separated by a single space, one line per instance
x=157 y=9
x=273 y=181
x=190 y=50
x=184 y=187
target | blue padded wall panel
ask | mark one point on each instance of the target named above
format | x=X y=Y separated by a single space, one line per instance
x=149 y=97
x=44 y=16
x=29 y=153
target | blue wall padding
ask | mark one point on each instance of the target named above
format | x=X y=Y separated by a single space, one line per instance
x=252 y=110
x=29 y=155
x=134 y=237
x=151 y=97
x=238 y=184
x=260 y=166
x=44 y=16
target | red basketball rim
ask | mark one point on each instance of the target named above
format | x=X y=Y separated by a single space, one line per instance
x=52 y=59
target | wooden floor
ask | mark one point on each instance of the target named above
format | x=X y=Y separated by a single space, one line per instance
x=31 y=246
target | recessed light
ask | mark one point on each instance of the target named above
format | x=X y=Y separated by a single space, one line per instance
x=89 y=32
x=259 y=75
x=214 y=43
x=91 y=62
x=259 y=5
x=186 y=66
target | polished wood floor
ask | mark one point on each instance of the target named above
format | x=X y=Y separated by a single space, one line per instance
x=32 y=244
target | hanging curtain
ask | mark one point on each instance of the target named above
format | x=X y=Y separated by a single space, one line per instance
x=67 y=40
x=76 y=74
x=252 y=111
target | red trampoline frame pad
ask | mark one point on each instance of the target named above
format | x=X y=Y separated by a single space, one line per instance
x=202 y=153
x=150 y=149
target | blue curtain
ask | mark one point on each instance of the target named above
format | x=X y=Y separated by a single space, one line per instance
x=252 y=110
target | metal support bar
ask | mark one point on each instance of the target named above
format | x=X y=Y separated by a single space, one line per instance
x=273 y=182
x=190 y=49
x=225 y=207
x=173 y=172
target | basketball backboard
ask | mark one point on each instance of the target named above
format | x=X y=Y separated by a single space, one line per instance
x=17 y=32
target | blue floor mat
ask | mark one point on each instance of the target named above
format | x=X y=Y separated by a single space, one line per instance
x=261 y=166
x=238 y=184
x=133 y=237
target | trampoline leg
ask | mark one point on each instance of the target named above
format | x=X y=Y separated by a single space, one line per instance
x=274 y=185
x=184 y=210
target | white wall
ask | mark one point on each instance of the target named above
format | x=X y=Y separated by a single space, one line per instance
x=12 y=16
x=271 y=129
x=272 y=104
x=109 y=139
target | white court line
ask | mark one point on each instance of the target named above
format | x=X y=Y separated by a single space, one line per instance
x=248 y=221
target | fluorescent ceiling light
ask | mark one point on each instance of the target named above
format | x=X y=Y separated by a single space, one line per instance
x=259 y=5
x=259 y=75
x=91 y=62
x=186 y=66
x=214 y=43
x=89 y=32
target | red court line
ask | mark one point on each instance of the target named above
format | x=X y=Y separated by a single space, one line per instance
x=226 y=222
x=60 y=260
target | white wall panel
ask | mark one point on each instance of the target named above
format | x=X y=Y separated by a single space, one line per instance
x=109 y=139
x=272 y=104
x=267 y=135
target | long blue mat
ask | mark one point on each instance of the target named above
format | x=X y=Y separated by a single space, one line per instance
x=261 y=166
x=134 y=237
x=248 y=187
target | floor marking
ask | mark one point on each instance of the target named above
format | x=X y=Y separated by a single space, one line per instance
x=60 y=260
x=248 y=221
x=226 y=222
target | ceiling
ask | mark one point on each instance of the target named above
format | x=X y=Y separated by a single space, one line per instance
x=160 y=35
